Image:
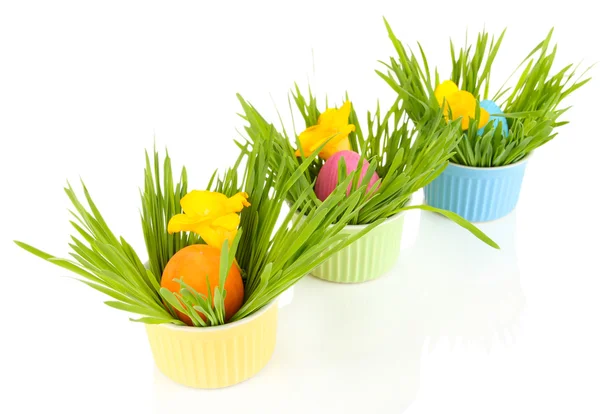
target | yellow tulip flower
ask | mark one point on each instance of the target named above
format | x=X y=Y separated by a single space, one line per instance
x=332 y=123
x=211 y=215
x=461 y=103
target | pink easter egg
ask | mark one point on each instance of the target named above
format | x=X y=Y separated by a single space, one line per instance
x=327 y=179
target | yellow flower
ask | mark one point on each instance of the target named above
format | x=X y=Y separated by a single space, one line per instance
x=461 y=103
x=211 y=215
x=445 y=89
x=332 y=123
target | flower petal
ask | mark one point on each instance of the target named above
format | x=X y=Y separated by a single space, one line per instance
x=444 y=90
x=461 y=103
x=203 y=203
x=340 y=119
x=229 y=222
x=237 y=202
x=341 y=145
x=332 y=127
x=336 y=118
x=211 y=215
x=464 y=122
x=215 y=236
x=327 y=117
x=348 y=129
x=182 y=222
x=314 y=137
x=484 y=118
x=309 y=138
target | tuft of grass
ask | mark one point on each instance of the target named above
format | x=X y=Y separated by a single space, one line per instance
x=160 y=201
x=276 y=257
x=271 y=259
x=406 y=159
x=532 y=105
x=109 y=264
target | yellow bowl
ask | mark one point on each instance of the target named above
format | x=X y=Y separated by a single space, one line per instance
x=215 y=357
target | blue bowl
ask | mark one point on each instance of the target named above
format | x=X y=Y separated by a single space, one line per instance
x=477 y=194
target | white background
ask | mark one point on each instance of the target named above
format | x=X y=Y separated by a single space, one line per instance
x=456 y=327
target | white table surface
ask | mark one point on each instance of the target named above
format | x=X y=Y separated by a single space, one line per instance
x=454 y=327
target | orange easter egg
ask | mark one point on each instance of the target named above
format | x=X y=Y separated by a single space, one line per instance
x=193 y=264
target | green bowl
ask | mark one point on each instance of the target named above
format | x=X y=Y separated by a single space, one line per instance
x=367 y=258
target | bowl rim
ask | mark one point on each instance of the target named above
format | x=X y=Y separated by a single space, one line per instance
x=502 y=167
x=232 y=325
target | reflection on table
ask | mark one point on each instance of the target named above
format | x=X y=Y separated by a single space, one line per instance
x=352 y=347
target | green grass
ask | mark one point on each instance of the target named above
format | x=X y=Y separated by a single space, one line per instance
x=276 y=257
x=272 y=259
x=406 y=159
x=109 y=264
x=160 y=201
x=532 y=105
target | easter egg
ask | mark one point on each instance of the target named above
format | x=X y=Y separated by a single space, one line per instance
x=492 y=108
x=193 y=264
x=327 y=179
